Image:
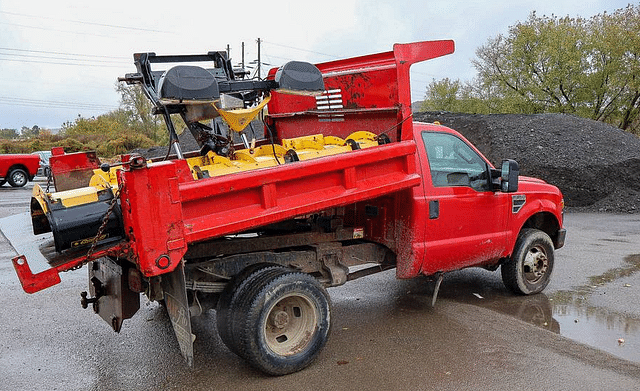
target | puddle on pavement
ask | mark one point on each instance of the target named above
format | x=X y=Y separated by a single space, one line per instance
x=603 y=328
x=568 y=313
x=614 y=333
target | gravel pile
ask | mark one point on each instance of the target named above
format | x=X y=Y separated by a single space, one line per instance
x=597 y=166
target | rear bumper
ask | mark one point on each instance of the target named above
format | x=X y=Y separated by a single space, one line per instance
x=35 y=282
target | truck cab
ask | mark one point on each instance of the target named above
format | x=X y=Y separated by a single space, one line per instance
x=473 y=213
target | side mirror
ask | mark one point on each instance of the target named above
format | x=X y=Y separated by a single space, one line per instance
x=510 y=172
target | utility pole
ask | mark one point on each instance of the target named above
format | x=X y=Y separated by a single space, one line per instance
x=259 y=61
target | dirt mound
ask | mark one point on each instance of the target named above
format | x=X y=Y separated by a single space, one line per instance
x=597 y=166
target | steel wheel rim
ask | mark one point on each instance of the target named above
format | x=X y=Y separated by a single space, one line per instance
x=19 y=178
x=290 y=325
x=535 y=265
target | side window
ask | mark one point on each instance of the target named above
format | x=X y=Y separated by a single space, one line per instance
x=453 y=162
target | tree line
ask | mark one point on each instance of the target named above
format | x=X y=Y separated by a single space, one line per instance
x=589 y=67
x=25 y=132
x=129 y=127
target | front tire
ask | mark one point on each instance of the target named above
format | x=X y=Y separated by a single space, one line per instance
x=286 y=323
x=18 y=177
x=529 y=269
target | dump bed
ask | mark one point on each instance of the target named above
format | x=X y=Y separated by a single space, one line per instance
x=165 y=209
x=169 y=212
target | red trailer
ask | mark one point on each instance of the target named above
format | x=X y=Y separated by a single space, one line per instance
x=342 y=184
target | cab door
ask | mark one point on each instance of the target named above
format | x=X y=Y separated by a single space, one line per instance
x=466 y=225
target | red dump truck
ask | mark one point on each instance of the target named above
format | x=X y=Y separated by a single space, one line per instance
x=338 y=182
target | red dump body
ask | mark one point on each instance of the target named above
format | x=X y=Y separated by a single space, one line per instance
x=170 y=210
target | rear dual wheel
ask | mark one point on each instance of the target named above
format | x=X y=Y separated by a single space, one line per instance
x=280 y=320
x=228 y=315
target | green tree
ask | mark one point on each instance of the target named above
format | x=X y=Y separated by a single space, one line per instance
x=108 y=134
x=442 y=95
x=137 y=111
x=587 y=67
x=540 y=66
x=455 y=96
x=615 y=57
x=30 y=133
x=8 y=134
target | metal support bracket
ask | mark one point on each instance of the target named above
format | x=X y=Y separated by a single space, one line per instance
x=330 y=254
x=437 y=288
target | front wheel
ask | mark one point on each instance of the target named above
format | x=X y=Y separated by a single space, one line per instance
x=529 y=269
x=286 y=323
x=18 y=177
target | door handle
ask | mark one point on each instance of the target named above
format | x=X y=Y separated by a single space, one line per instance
x=434 y=209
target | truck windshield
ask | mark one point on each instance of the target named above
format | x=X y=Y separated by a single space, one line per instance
x=453 y=162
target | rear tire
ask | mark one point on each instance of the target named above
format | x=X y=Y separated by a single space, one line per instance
x=286 y=322
x=227 y=308
x=18 y=177
x=529 y=269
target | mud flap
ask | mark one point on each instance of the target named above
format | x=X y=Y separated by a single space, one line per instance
x=175 y=297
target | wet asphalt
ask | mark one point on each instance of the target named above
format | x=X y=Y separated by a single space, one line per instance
x=582 y=333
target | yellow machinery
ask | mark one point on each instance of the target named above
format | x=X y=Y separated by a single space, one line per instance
x=268 y=155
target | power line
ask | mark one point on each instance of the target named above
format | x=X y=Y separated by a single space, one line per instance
x=12 y=101
x=300 y=49
x=80 y=61
x=63 y=54
x=84 y=22
x=58 y=63
x=57 y=30
x=53 y=105
x=60 y=58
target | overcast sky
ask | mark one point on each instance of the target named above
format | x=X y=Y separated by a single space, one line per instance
x=60 y=59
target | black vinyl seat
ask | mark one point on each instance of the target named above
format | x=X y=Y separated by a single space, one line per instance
x=188 y=83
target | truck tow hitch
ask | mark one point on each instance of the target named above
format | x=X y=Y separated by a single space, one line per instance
x=99 y=292
x=85 y=301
